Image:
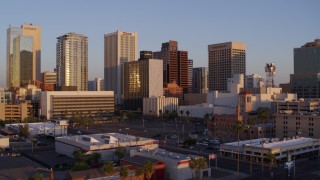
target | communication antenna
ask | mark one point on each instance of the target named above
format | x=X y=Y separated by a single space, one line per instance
x=270 y=69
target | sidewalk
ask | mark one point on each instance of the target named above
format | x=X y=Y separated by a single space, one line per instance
x=227 y=174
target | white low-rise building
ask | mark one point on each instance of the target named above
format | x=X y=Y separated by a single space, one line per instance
x=176 y=165
x=280 y=148
x=4 y=141
x=199 y=110
x=153 y=105
x=59 y=128
x=104 y=144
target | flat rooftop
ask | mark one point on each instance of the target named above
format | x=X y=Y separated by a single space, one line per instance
x=162 y=153
x=101 y=139
x=274 y=142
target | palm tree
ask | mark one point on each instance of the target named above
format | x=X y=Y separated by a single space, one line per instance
x=139 y=171
x=108 y=169
x=78 y=156
x=137 y=140
x=272 y=159
x=148 y=169
x=201 y=164
x=193 y=165
x=262 y=116
x=238 y=127
x=167 y=114
x=181 y=113
x=188 y=113
x=251 y=122
x=124 y=172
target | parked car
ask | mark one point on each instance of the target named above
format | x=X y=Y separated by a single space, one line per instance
x=174 y=136
x=42 y=144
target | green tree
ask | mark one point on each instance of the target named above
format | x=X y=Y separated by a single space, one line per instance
x=189 y=141
x=24 y=131
x=124 y=172
x=108 y=169
x=238 y=128
x=95 y=158
x=193 y=165
x=37 y=176
x=120 y=152
x=148 y=169
x=138 y=172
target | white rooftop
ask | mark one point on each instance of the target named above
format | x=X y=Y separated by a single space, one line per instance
x=101 y=139
x=270 y=143
x=162 y=153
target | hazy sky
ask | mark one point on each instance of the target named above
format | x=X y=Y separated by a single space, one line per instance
x=270 y=29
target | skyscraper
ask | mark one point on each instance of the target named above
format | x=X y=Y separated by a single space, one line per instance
x=225 y=60
x=190 y=69
x=72 y=61
x=142 y=79
x=35 y=33
x=305 y=81
x=200 y=80
x=23 y=60
x=175 y=64
x=29 y=40
x=119 y=47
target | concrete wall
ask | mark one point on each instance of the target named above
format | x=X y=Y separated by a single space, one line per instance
x=4 y=142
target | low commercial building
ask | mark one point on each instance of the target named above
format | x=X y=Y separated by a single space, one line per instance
x=4 y=141
x=135 y=162
x=199 y=110
x=279 y=147
x=176 y=165
x=56 y=104
x=104 y=144
x=15 y=111
x=153 y=105
x=54 y=129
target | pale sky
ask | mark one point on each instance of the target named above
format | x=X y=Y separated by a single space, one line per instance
x=270 y=29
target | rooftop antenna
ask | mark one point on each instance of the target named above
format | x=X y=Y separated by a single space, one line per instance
x=270 y=69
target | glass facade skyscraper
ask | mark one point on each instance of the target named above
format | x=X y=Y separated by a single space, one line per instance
x=23 y=43
x=305 y=81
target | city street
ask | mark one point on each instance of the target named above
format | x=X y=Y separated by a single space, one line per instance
x=305 y=168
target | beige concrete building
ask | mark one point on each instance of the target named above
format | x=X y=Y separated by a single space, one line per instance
x=15 y=111
x=153 y=105
x=119 y=47
x=55 y=104
x=289 y=124
x=142 y=79
x=35 y=33
x=49 y=81
x=225 y=60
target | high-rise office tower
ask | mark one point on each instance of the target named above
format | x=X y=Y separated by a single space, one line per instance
x=145 y=55
x=72 y=61
x=29 y=40
x=23 y=60
x=35 y=33
x=175 y=64
x=305 y=81
x=190 y=69
x=225 y=60
x=119 y=47
x=142 y=79
x=200 y=80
